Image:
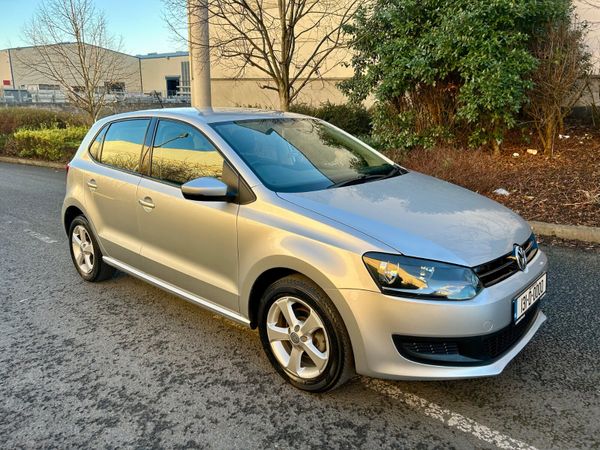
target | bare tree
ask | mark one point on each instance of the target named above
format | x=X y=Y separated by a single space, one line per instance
x=288 y=41
x=559 y=80
x=72 y=48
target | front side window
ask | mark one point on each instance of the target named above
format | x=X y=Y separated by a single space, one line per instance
x=123 y=144
x=299 y=155
x=182 y=153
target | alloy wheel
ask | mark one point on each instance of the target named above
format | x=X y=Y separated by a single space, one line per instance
x=83 y=249
x=298 y=337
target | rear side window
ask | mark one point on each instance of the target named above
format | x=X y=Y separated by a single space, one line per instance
x=182 y=153
x=123 y=144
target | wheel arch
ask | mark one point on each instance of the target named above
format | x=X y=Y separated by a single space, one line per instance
x=69 y=215
x=73 y=209
x=269 y=270
x=262 y=282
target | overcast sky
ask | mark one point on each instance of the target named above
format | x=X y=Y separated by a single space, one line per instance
x=139 y=22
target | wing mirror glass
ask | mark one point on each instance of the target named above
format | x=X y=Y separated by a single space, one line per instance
x=208 y=189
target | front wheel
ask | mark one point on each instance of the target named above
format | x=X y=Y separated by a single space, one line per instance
x=304 y=336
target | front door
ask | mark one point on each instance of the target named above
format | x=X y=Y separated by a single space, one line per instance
x=190 y=244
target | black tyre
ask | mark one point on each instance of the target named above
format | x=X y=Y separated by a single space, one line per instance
x=85 y=252
x=304 y=336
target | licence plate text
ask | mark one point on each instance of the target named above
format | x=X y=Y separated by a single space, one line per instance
x=528 y=298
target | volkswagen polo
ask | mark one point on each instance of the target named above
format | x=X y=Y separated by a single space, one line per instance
x=344 y=261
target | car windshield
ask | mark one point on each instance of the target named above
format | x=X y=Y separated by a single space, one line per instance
x=302 y=154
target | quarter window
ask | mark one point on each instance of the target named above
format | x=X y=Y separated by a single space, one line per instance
x=181 y=153
x=123 y=144
x=97 y=145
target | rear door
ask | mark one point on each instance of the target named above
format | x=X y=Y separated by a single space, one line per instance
x=111 y=187
x=190 y=244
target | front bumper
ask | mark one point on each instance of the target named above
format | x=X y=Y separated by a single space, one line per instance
x=376 y=318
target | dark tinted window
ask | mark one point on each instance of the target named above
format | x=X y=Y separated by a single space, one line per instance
x=181 y=153
x=97 y=144
x=123 y=144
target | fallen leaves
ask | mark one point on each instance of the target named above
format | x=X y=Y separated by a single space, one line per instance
x=564 y=189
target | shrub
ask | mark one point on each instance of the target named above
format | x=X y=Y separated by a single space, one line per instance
x=12 y=119
x=354 y=119
x=559 y=80
x=393 y=129
x=444 y=66
x=53 y=144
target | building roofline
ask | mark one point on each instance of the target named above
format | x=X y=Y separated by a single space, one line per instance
x=34 y=46
x=146 y=56
x=163 y=55
x=65 y=43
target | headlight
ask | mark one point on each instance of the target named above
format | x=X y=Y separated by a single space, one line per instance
x=413 y=277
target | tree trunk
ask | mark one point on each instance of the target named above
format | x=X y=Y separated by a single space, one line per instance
x=284 y=99
x=561 y=123
x=550 y=131
x=496 y=146
x=496 y=140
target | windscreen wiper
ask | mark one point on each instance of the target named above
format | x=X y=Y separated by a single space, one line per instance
x=396 y=170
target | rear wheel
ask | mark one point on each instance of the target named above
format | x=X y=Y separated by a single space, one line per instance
x=85 y=252
x=304 y=336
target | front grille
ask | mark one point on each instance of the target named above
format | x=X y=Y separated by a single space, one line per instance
x=467 y=351
x=501 y=268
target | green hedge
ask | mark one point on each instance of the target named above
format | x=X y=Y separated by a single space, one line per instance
x=12 y=119
x=354 y=119
x=52 y=144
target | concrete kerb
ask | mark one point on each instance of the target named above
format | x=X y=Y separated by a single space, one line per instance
x=576 y=232
x=32 y=162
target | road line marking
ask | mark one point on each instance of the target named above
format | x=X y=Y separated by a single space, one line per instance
x=41 y=237
x=447 y=417
x=8 y=219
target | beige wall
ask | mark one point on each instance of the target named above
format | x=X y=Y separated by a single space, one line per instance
x=24 y=75
x=591 y=15
x=246 y=91
x=242 y=92
x=154 y=71
x=333 y=67
x=5 y=72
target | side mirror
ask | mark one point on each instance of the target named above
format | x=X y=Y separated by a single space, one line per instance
x=207 y=189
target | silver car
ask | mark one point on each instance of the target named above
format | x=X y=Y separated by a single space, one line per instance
x=344 y=261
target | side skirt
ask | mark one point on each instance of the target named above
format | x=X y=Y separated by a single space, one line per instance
x=176 y=291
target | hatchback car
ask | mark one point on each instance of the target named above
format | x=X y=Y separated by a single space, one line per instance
x=344 y=261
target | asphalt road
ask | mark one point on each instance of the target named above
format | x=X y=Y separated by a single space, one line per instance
x=123 y=364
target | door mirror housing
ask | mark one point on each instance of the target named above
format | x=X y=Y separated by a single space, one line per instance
x=207 y=189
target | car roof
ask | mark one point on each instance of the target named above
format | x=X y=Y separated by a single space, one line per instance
x=207 y=115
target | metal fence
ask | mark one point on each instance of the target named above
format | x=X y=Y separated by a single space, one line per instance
x=36 y=97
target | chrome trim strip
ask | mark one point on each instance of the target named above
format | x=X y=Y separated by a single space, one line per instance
x=175 y=290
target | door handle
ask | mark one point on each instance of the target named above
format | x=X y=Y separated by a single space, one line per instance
x=92 y=184
x=146 y=202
